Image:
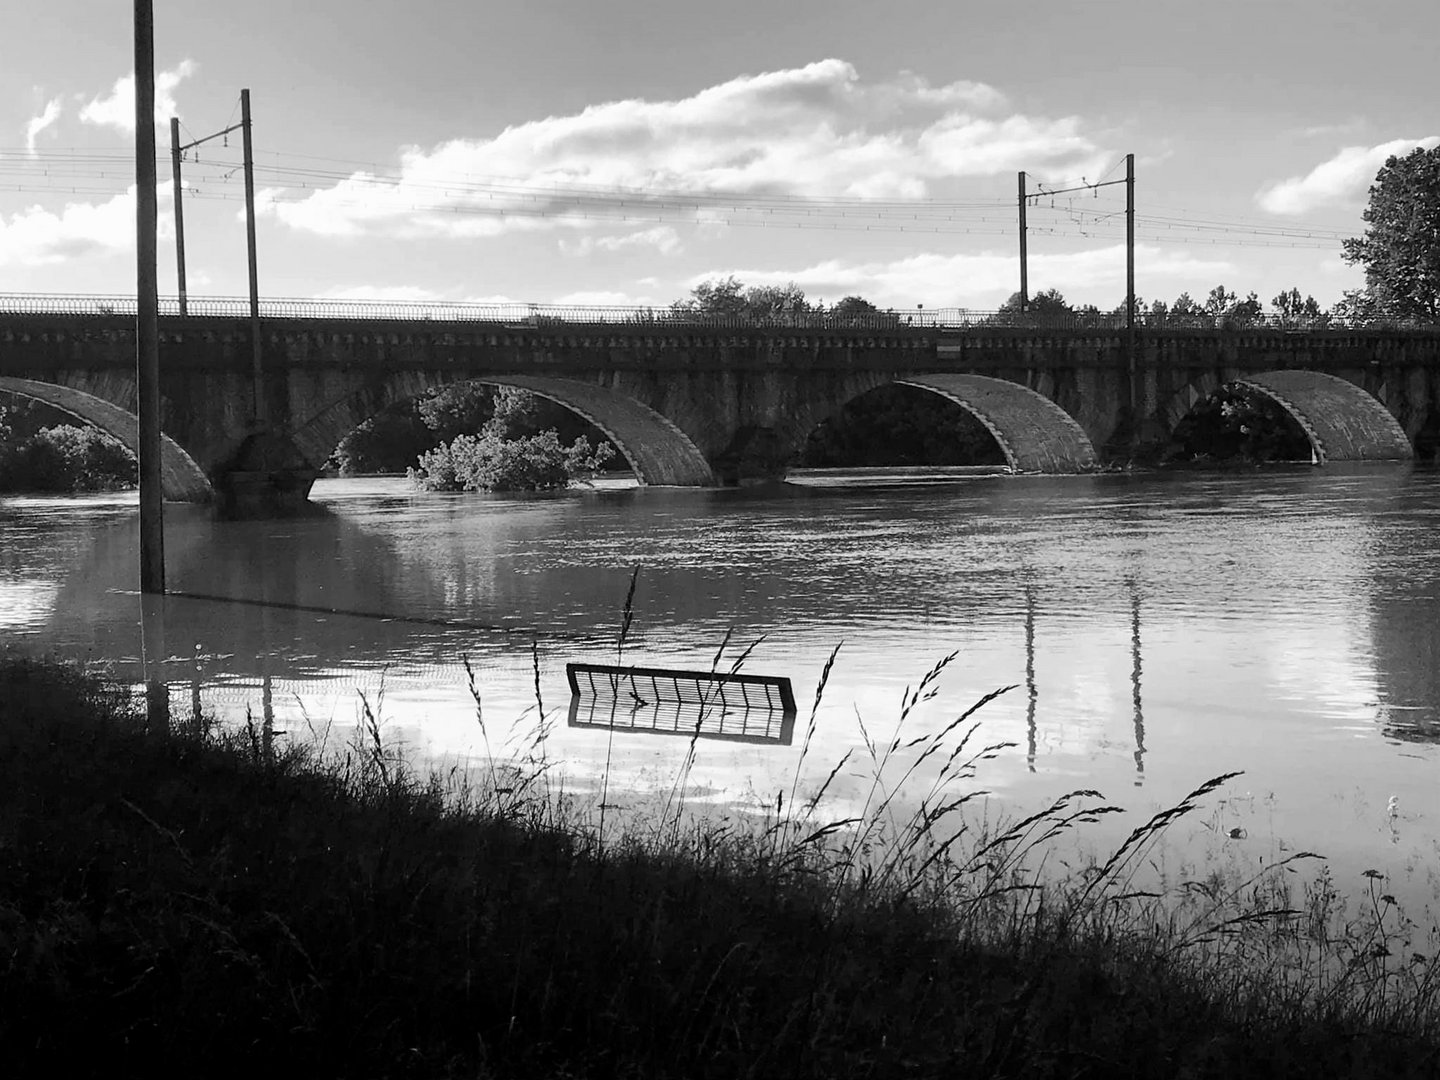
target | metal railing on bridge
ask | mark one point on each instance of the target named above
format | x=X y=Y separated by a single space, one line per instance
x=536 y=316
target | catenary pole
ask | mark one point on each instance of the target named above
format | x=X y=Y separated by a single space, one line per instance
x=1130 y=242
x=1024 y=265
x=256 y=371
x=1130 y=296
x=147 y=308
x=179 y=211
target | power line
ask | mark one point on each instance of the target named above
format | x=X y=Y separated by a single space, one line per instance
x=85 y=172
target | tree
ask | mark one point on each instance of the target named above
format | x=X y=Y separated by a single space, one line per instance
x=730 y=296
x=853 y=305
x=1050 y=302
x=1185 y=306
x=490 y=462
x=457 y=409
x=1357 y=305
x=69 y=458
x=1236 y=425
x=385 y=443
x=1229 y=311
x=765 y=300
x=718 y=297
x=1293 y=311
x=857 y=311
x=1400 y=250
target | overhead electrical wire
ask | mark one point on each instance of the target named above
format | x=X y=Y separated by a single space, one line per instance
x=208 y=176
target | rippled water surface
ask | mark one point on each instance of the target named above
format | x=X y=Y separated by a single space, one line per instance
x=1158 y=630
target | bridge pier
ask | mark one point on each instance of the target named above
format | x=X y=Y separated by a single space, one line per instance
x=266 y=478
x=247 y=493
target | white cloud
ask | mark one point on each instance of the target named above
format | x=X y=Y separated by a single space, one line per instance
x=37 y=124
x=984 y=280
x=117 y=110
x=38 y=236
x=607 y=298
x=1344 y=179
x=815 y=131
x=663 y=238
x=1329 y=131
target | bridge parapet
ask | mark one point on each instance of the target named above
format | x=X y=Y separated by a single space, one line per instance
x=538 y=316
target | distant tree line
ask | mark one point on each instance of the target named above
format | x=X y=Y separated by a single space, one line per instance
x=1221 y=308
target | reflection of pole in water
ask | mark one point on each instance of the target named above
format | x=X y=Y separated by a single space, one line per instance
x=152 y=661
x=1030 y=676
x=267 y=718
x=1135 y=683
x=196 y=678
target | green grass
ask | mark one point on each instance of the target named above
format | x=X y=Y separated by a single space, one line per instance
x=191 y=903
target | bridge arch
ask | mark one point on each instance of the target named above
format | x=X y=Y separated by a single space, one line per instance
x=1034 y=434
x=1341 y=420
x=658 y=451
x=181 y=479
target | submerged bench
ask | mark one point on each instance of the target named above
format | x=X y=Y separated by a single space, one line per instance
x=669 y=701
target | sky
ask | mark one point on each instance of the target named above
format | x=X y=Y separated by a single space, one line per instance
x=623 y=151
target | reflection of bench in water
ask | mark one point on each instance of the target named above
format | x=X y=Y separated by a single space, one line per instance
x=665 y=701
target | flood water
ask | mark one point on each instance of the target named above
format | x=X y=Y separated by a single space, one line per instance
x=1158 y=630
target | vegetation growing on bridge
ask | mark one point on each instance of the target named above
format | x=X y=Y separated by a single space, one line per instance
x=204 y=904
x=39 y=455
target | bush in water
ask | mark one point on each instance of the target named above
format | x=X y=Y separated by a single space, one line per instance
x=68 y=458
x=488 y=462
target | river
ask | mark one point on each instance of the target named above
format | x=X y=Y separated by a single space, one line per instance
x=1158 y=630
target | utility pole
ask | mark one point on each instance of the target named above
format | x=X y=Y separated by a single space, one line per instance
x=1130 y=298
x=1024 y=261
x=179 y=213
x=147 y=308
x=256 y=371
x=1130 y=242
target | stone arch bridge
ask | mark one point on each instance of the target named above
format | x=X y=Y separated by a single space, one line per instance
x=697 y=405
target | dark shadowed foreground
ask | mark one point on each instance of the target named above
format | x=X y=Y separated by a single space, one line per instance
x=190 y=904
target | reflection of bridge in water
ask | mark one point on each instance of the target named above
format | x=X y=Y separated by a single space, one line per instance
x=329 y=612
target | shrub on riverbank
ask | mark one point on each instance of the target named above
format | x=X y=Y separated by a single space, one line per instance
x=491 y=462
x=67 y=458
x=193 y=904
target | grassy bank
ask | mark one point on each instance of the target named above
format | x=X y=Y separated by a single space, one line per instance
x=189 y=904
